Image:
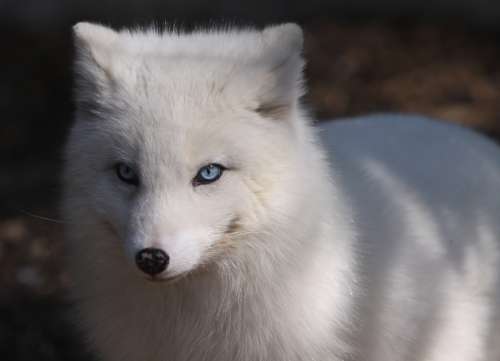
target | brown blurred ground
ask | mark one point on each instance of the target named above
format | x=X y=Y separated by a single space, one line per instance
x=442 y=71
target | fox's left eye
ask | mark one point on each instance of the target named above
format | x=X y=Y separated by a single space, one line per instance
x=208 y=174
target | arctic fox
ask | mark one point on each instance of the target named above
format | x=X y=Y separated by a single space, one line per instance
x=206 y=220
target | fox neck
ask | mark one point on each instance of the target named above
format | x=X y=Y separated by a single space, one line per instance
x=274 y=292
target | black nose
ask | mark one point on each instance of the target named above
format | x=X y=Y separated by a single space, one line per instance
x=152 y=260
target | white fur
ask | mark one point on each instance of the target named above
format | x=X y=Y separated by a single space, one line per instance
x=391 y=255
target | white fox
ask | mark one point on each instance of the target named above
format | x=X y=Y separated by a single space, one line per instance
x=205 y=221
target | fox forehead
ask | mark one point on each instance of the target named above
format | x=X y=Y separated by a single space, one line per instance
x=175 y=89
x=182 y=136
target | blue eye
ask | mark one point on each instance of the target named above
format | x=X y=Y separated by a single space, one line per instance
x=208 y=174
x=126 y=174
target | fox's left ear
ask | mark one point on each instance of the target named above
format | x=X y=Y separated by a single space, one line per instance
x=282 y=85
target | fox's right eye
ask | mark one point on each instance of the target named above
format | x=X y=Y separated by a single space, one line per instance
x=126 y=174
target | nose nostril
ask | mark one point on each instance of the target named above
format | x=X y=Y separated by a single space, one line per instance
x=152 y=260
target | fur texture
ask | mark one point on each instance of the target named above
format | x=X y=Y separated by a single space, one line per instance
x=387 y=250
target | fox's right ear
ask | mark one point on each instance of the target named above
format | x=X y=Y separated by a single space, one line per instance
x=93 y=62
x=93 y=43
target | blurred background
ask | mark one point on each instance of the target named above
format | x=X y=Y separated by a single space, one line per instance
x=439 y=58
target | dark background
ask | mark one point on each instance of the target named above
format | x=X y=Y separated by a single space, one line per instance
x=438 y=58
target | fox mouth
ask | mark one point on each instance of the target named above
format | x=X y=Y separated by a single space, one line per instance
x=167 y=280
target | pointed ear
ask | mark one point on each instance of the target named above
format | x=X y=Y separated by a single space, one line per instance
x=92 y=63
x=94 y=40
x=283 y=85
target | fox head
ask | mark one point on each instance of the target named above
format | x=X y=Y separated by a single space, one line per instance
x=184 y=145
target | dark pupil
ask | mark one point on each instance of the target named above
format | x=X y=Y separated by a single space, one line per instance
x=126 y=172
x=208 y=174
x=210 y=171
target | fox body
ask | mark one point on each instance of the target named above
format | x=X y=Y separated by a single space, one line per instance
x=370 y=239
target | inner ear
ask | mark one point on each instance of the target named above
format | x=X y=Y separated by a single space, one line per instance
x=280 y=88
x=272 y=110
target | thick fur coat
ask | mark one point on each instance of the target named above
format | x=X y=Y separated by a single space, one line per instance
x=384 y=248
